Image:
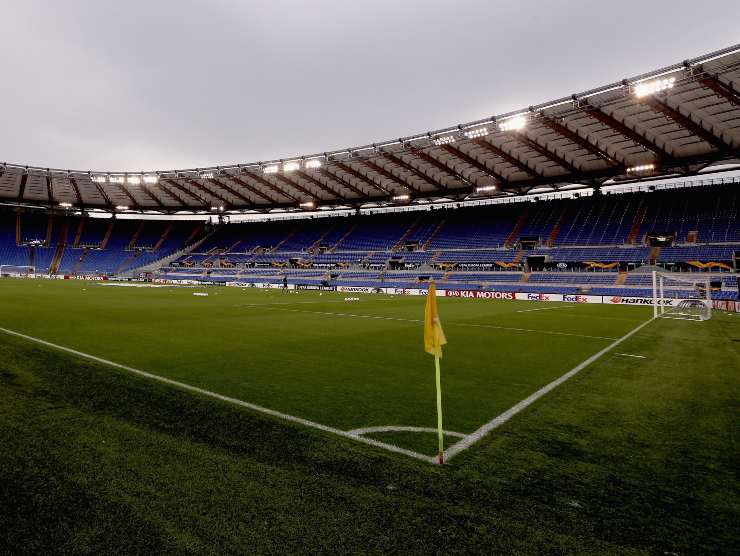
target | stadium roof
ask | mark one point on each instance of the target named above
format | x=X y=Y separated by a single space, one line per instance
x=675 y=121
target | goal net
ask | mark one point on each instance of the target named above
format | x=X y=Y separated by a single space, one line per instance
x=16 y=270
x=681 y=297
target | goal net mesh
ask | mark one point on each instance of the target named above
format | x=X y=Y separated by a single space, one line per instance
x=16 y=270
x=682 y=297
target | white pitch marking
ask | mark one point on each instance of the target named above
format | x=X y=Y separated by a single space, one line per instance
x=370 y=430
x=631 y=355
x=474 y=437
x=253 y=407
x=447 y=323
x=544 y=309
x=288 y=303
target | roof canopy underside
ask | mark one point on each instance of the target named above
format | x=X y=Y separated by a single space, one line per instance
x=674 y=121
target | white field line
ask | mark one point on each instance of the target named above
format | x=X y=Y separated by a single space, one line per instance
x=253 y=407
x=474 y=437
x=447 y=323
x=544 y=309
x=392 y=428
x=631 y=355
x=289 y=303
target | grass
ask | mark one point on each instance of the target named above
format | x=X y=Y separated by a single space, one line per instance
x=319 y=357
x=630 y=456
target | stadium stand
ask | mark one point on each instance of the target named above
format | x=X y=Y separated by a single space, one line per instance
x=477 y=247
x=587 y=244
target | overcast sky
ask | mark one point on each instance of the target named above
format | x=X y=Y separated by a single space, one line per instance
x=147 y=85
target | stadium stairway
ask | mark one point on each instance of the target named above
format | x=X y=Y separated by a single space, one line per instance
x=59 y=249
x=135 y=237
x=108 y=234
x=654 y=254
x=163 y=237
x=316 y=244
x=636 y=224
x=129 y=261
x=511 y=239
x=434 y=234
x=196 y=231
x=81 y=260
x=402 y=241
x=621 y=277
x=233 y=247
x=282 y=242
x=78 y=234
x=556 y=228
x=341 y=239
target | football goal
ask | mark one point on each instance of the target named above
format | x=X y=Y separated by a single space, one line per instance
x=681 y=297
x=16 y=270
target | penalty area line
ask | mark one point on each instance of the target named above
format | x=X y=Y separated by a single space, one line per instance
x=227 y=399
x=447 y=323
x=474 y=437
x=543 y=309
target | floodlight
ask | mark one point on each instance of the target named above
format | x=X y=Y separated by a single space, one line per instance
x=271 y=169
x=151 y=179
x=485 y=188
x=99 y=179
x=512 y=124
x=133 y=180
x=291 y=166
x=121 y=207
x=478 y=132
x=65 y=205
x=307 y=204
x=641 y=168
x=401 y=198
x=206 y=175
x=313 y=163
x=444 y=140
x=651 y=87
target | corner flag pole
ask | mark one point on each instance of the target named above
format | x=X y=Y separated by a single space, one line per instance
x=434 y=339
x=439 y=412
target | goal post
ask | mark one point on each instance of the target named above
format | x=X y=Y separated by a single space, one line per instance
x=681 y=297
x=17 y=270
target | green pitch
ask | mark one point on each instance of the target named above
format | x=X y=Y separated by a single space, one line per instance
x=633 y=455
x=346 y=364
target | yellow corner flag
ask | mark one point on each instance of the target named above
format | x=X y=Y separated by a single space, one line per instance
x=434 y=336
x=434 y=339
